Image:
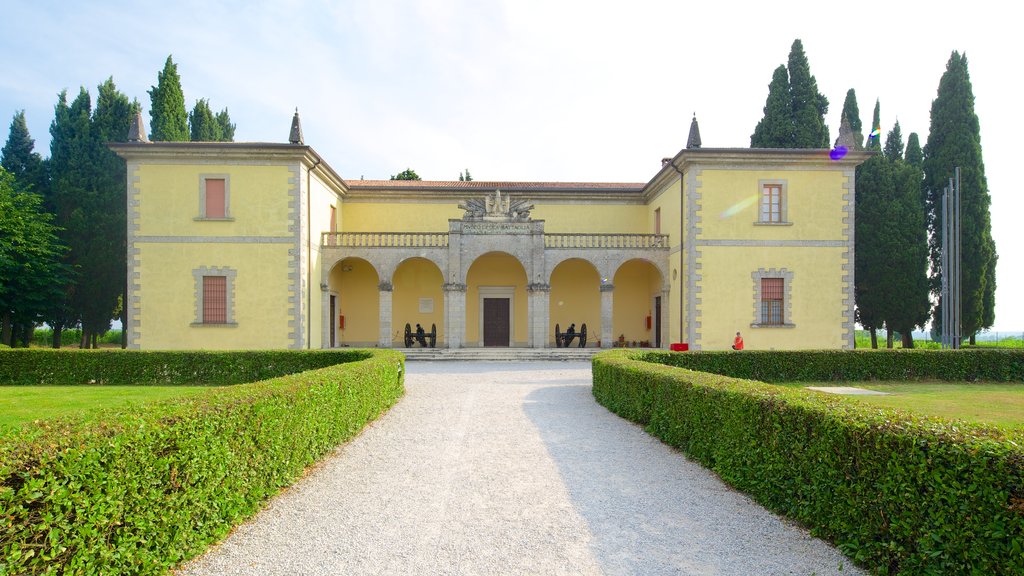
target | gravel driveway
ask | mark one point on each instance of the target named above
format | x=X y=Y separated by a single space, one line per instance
x=512 y=468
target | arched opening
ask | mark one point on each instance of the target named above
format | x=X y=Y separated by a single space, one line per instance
x=417 y=299
x=496 y=304
x=354 y=304
x=636 y=303
x=575 y=299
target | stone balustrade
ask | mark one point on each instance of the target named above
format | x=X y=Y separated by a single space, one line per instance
x=385 y=239
x=605 y=241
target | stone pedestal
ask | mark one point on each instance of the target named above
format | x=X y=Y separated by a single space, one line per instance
x=454 y=314
x=386 y=294
x=607 y=291
x=539 y=296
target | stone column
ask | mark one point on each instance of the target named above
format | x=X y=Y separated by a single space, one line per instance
x=385 y=314
x=454 y=314
x=606 y=314
x=539 y=313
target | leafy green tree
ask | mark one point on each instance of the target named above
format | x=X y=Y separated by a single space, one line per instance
x=20 y=158
x=894 y=143
x=31 y=272
x=775 y=129
x=227 y=129
x=914 y=156
x=202 y=123
x=954 y=140
x=407 y=174
x=809 y=106
x=168 y=119
x=852 y=114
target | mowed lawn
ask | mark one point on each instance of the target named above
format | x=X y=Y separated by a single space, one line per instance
x=986 y=403
x=21 y=404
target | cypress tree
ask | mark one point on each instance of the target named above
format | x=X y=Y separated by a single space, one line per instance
x=20 y=158
x=227 y=129
x=808 y=105
x=852 y=114
x=954 y=140
x=914 y=156
x=775 y=130
x=874 y=179
x=875 y=136
x=202 y=123
x=894 y=143
x=906 y=271
x=168 y=119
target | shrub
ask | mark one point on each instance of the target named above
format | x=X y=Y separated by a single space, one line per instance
x=991 y=364
x=897 y=493
x=136 y=492
x=27 y=367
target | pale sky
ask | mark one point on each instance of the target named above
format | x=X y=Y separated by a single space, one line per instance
x=523 y=89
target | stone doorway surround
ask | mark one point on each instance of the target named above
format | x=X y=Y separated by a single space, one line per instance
x=496 y=292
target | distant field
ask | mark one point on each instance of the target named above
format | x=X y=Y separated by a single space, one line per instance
x=22 y=404
x=986 y=403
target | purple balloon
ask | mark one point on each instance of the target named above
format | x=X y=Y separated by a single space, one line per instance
x=837 y=153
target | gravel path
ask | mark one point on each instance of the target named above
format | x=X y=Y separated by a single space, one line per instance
x=506 y=468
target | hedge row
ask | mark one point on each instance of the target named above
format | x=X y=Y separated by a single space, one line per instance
x=139 y=491
x=896 y=493
x=992 y=364
x=29 y=367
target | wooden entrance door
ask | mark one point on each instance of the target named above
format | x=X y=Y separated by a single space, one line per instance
x=333 y=319
x=657 y=321
x=496 y=321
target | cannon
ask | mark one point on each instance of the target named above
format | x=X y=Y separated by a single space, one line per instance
x=424 y=338
x=564 y=339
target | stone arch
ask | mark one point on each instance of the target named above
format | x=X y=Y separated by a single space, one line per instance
x=497 y=275
x=355 y=284
x=638 y=283
x=417 y=298
x=575 y=298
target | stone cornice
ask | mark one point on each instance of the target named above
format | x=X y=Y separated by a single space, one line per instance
x=454 y=195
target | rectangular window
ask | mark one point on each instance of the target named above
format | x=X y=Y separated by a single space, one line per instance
x=771 y=203
x=772 y=293
x=215 y=198
x=215 y=299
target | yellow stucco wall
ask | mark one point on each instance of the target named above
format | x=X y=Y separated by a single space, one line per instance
x=321 y=198
x=496 y=270
x=399 y=216
x=817 y=293
x=575 y=299
x=415 y=279
x=356 y=283
x=168 y=290
x=598 y=218
x=636 y=282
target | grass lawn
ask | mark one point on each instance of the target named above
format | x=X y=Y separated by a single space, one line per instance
x=21 y=404
x=986 y=403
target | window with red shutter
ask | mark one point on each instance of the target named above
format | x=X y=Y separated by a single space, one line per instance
x=772 y=293
x=215 y=198
x=215 y=299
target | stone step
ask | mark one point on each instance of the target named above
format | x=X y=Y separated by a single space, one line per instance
x=500 y=354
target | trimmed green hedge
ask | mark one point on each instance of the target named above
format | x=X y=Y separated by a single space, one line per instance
x=896 y=493
x=991 y=364
x=28 y=367
x=136 y=492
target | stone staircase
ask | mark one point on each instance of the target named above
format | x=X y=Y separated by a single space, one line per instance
x=499 y=354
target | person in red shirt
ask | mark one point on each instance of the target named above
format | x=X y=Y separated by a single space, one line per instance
x=737 y=343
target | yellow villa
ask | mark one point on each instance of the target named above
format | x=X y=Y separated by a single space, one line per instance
x=264 y=245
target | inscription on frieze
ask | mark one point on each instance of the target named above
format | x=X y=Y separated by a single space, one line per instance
x=496 y=228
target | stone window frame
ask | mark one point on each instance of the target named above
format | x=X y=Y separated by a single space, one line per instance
x=787 y=297
x=202 y=198
x=783 y=202
x=229 y=274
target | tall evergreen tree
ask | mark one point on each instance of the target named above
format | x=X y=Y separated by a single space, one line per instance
x=954 y=140
x=852 y=114
x=875 y=135
x=775 y=129
x=227 y=129
x=894 y=143
x=914 y=156
x=20 y=158
x=168 y=119
x=906 y=271
x=202 y=123
x=809 y=106
x=873 y=181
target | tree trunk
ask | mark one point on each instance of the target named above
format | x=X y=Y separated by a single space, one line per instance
x=58 y=331
x=95 y=338
x=83 y=342
x=908 y=339
x=26 y=331
x=888 y=337
x=124 y=321
x=874 y=339
x=5 y=329
x=973 y=341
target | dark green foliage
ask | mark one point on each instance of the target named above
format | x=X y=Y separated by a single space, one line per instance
x=897 y=493
x=204 y=127
x=954 y=140
x=775 y=130
x=31 y=272
x=873 y=182
x=914 y=156
x=894 y=143
x=20 y=158
x=141 y=490
x=906 y=259
x=875 y=135
x=168 y=119
x=852 y=113
x=227 y=129
x=809 y=106
x=467 y=177
x=407 y=174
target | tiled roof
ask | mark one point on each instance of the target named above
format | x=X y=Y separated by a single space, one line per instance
x=482 y=185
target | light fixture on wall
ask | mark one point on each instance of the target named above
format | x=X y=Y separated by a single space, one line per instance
x=346 y=268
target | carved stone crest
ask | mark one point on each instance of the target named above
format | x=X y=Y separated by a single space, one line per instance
x=496 y=209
